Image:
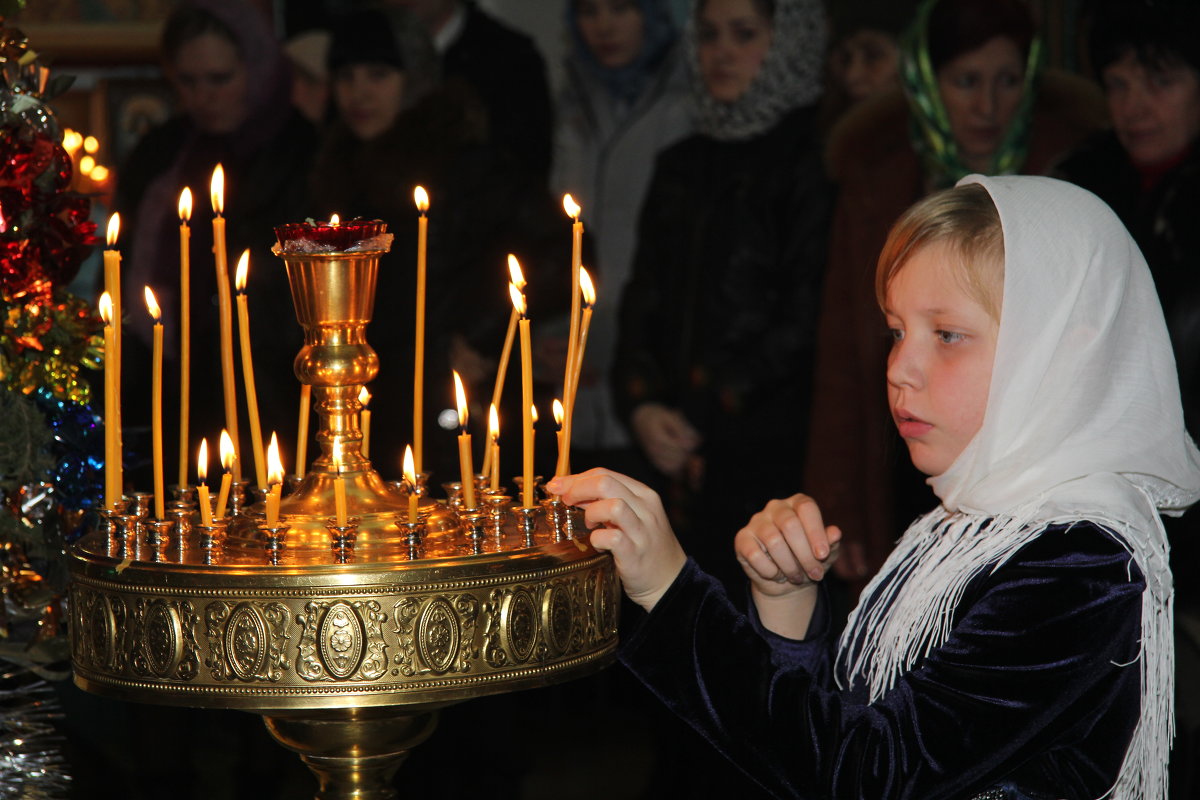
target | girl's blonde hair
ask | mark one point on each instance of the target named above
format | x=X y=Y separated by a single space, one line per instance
x=966 y=220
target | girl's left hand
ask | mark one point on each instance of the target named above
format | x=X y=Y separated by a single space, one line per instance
x=630 y=522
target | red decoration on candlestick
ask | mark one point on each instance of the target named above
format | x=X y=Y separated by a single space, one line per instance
x=327 y=237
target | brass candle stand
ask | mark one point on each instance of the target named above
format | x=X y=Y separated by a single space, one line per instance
x=347 y=639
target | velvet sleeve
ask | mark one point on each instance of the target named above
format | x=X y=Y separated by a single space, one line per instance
x=1041 y=660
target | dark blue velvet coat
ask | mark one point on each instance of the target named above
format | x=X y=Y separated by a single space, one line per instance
x=1034 y=693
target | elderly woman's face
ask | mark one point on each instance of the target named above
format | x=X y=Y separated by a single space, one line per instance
x=612 y=30
x=1155 y=112
x=981 y=91
x=210 y=79
x=368 y=97
x=734 y=40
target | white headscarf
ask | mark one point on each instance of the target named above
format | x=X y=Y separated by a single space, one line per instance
x=790 y=75
x=1083 y=422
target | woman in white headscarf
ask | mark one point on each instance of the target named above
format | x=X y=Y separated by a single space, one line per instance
x=1017 y=643
x=717 y=321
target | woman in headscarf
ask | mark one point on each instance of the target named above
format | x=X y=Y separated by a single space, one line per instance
x=398 y=125
x=1017 y=642
x=626 y=100
x=975 y=99
x=233 y=87
x=717 y=322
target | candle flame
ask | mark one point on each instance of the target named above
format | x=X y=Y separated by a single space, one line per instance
x=514 y=272
x=98 y=173
x=185 y=204
x=364 y=396
x=72 y=140
x=533 y=413
x=518 y=299
x=243 y=267
x=336 y=455
x=334 y=220
x=274 y=462
x=91 y=144
x=106 y=311
x=226 y=450
x=410 y=471
x=571 y=207
x=587 y=288
x=216 y=191
x=202 y=461
x=460 y=396
x=87 y=164
x=152 y=304
x=421 y=198
x=114 y=229
x=557 y=408
x=493 y=422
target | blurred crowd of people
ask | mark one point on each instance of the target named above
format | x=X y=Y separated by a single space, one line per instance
x=739 y=165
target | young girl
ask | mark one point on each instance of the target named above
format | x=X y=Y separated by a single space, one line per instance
x=1017 y=643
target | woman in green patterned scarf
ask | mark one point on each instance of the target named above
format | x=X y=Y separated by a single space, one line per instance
x=975 y=98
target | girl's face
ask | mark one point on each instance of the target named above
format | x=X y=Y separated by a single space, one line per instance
x=210 y=78
x=734 y=40
x=981 y=90
x=368 y=97
x=1155 y=112
x=865 y=62
x=940 y=367
x=612 y=30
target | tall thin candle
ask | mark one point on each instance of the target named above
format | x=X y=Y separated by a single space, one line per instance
x=205 y=501
x=573 y=210
x=518 y=300
x=364 y=417
x=156 y=423
x=185 y=329
x=228 y=459
x=243 y=304
x=112 y=358
x=466 y=467
x=341 y=517
x=224 y=309
x=589 y=300
x=421 y=198
x=274 y=481
x=494 y=446
x=112 y=437
x=517 y=278
x=410 y=476
x=561 y=465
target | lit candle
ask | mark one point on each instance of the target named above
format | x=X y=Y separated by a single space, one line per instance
x=517 y=279
x=518 y=300
x=228 y=459
x=465 y=466
x=243 y=304
x=494 y=445
x=589 y=300
x=156 y=426
x=274 y=481
x=339 y=487
x=573 y=210
x=206 y=514
x=410 y=475
x=185 y=328
x=557 y=408
x=112 y=359
x=364 y=397
x=217 y=195
x=422 y=200
x=112 y=434
x=302 y=432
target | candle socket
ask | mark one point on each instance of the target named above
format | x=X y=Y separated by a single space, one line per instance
x=181 y=521
x=519 y=481
x=422 y=487
x=139 y=504
x=211 y=538
x=290 y=484
x=128 y=528
x=275 y=537
x=414 y=535
x=341 y=539
x=473 y=522
x=454 y=494
x=242 y=495
x=527 y=518
x=555 y=513
x=497 y=505
x=183 y=494
x=158 y=533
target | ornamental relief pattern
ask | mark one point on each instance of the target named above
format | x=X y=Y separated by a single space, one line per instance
x=292 y=642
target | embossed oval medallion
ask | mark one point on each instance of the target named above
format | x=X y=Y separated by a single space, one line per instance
x=101 y=631
x=246 y=641
x=518 y=625
x=162 y=640
x=604 y=603
x=438 y=635
x=340 y=639
x=557 y=619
